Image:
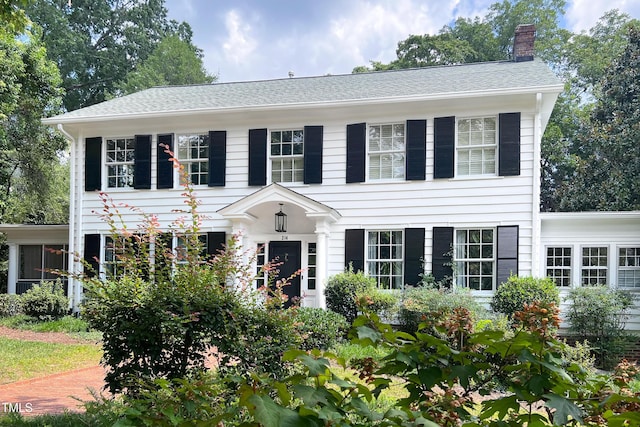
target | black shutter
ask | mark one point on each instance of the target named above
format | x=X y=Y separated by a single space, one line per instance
x=93 y=164
x=507 y=249
x=165 y=165
x=356 y=152
x=444 y=135
x=413 y=255
x=441 y=255
x=216 y=241
x=217 y=158
x=142 y=163
x=257 y=156
x=313 y=154
x=354 y=249
x=416 y=149
x=509 y=144
x=91 y=254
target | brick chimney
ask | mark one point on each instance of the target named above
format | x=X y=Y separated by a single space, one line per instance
x=523 y=42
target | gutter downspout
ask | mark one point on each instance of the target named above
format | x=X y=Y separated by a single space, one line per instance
x=71 y=286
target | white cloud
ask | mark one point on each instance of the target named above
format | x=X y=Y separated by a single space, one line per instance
x=583 y=14
x=239 y=44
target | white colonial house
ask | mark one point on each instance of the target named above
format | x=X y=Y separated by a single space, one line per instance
x=396 y=173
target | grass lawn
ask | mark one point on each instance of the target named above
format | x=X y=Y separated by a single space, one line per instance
x=22 y=360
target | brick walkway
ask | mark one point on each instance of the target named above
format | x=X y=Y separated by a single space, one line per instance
x=52 y=394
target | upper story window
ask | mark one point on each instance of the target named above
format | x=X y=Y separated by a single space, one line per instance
x=385 y=258
x=287 y=155
x=120 y=162
x=559 y=265
x=474 y=259
x=477 y=146
x=629 y=267
x=193 y=153
x=594 y=265
x=386 y=150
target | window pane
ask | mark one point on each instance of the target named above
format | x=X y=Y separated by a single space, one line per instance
x=30 y=262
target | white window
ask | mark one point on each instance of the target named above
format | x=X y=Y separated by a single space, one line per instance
x=559 y=265
x=387 y=151
x=115 y=253
x=120 y=162
x=385 y=258
x=287 y=156
x=594 y=265
x=474 y=259
x=477 y=146
x=180 y=253
x=193 y=153
x=629 y=267
x=261 y=260
x=311 y=266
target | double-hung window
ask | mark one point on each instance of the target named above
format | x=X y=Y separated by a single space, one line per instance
x=477 y=146
x=193 y=153
x=120 y=162
x=385 y=258
x=629 y=267
x=594 y=265
x=474 y=259
x=287 y=155
x=559 y=265
x=387 y=148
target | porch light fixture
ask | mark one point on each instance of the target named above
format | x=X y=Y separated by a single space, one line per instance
x=281 y=221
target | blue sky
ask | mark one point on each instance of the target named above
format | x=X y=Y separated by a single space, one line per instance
x=265 y=39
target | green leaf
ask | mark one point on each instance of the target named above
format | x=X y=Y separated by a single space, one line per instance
x=311 y=396
x=564 y=409
x=316 y=366
x=271 y=414
x=501 y=406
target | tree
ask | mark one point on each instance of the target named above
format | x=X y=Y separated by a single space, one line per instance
x=173 y=62
x=96 y=43
x=608 y=168
x=12 y=15
x=29 y=151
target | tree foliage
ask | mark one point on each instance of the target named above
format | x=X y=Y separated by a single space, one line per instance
x=173 y=62
x=29 y=90
x=607 y=174
x=96 y=43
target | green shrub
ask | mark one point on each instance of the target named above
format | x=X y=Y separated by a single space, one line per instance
x=10 y=305
x=598 y=314
x=382 y=302
x=45 y=301
x=343 y=290
x=319 y=328
x=512 y=295
x=435 y=306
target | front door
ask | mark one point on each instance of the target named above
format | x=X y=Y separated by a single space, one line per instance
x=286 y=257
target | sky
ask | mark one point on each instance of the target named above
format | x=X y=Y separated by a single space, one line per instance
x=246 y=40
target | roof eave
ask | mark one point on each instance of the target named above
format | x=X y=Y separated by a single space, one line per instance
x=324 y=104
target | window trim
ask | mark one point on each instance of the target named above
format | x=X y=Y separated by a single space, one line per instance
x=457 y=261
x=300 y=157
x=401 y=260
x=368 y=153
x=189 y=161
x=458 y=147
x=564 y=268
x=635 y=268
x=581 y=267
x=106 y=164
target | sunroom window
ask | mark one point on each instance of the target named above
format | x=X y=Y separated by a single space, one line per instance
x=629 y=267
x=594 y=265
x=559 y=265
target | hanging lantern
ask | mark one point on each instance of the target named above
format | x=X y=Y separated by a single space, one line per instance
x=281 y=221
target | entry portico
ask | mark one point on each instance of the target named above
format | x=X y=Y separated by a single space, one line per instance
x=308 y=228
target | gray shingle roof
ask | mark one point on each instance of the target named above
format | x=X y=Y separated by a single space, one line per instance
x=419 y=82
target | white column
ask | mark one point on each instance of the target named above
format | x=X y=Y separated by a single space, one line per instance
x=12 y=277
x=322 y=232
